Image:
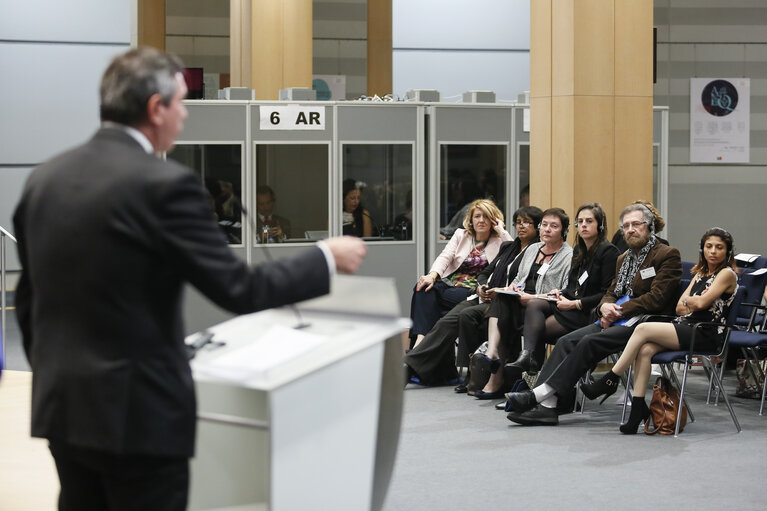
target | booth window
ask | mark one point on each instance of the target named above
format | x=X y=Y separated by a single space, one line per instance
x=220 y=169
x=377 y=191
x=469 y=172
x=292 y=192
x=523 y=167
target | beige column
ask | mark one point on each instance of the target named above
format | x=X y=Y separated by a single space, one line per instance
x=151 y=23
x=379 y=51
x=591 y=103
x=270 y=45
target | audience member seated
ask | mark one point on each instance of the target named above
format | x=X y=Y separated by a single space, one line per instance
x=646 y=282
x=544 y=267
x=453 y=276
x=707 y=298
x=277 y=227
x=356 y=219
x=433 y=361
x=591 y=271
x=620 y=242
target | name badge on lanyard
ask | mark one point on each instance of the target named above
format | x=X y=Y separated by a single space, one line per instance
x=647 y=273
x=583 y=278
x=543 y=269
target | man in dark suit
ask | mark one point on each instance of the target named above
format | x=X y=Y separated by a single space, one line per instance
x=648 y=274
x=108 y=234
x=277 y=227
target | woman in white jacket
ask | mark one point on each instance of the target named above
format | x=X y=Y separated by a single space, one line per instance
x=453 y=276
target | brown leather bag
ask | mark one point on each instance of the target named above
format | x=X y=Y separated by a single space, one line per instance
x=664 y=407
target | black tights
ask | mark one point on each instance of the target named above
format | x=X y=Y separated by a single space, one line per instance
x=541 y=325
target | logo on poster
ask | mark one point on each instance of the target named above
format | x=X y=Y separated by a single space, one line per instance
x=719 y=98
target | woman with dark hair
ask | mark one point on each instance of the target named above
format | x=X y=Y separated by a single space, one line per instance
x=707 y=298
x=453 y=276
x=543 y=267
x=356 y=219
x=591 y=272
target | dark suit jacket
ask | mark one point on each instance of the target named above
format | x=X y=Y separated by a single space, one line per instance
x=654 y=295
x=601 y=272
x=507 y=253
x=107 y=236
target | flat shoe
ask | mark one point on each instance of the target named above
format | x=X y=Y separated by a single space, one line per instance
x=538 y=416
x=461 y=389
x=521 y=401
x=501 y=406
x=488 y=395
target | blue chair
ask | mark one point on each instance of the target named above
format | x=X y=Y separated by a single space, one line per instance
x=754 y=282
x=687 y=270
x=755 y=336
x=666 y=358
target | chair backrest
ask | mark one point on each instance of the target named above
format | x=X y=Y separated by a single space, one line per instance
x=687 y=270
x=753 y=283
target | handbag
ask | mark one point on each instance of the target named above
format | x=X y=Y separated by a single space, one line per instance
x=664 y=407
x=747 y=386
x=479 y=372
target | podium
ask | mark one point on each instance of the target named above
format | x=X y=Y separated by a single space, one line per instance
x=305 y=418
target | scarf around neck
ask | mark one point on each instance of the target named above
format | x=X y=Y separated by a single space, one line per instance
x=631 y=264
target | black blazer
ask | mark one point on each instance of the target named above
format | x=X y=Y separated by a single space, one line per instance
x=601 y=271
x=507 y=252
x=107 y=237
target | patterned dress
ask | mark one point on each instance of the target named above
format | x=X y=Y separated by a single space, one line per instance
x=708 y=338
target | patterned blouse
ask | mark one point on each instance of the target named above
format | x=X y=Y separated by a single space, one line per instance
x=466 y=274
x=717 y=312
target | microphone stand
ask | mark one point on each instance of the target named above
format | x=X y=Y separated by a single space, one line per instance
x=254 y=231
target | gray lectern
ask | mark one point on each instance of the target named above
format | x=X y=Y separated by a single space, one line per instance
x=303 y=418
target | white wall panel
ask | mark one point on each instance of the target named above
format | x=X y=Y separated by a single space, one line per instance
x=453 y=73
x=104 y=21
x=499 y=24
x=49 y=99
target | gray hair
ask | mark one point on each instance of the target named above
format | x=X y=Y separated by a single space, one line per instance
x=647 y=215
x=132 y=78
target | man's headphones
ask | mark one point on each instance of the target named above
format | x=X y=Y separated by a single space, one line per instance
x=724 y=235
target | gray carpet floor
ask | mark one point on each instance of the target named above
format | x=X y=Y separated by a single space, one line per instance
x=459 y=453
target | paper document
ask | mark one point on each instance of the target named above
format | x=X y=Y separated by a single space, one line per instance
x=268 y=350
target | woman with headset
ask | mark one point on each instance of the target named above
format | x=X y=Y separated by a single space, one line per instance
x=707 y=298
x=591 y=272
x=453 y=276
x=543 y=268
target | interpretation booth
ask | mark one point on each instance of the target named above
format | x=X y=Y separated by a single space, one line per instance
x=416 y=166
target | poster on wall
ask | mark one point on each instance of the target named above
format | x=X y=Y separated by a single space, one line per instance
x=719 y=120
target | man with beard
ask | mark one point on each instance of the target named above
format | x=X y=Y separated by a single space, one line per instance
x=646 y=282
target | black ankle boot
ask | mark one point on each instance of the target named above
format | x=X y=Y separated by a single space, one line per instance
x=526 y=362
x=607 y=385
x=639 y=413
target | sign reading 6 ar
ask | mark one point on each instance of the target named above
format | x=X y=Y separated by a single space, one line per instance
x=292 y=117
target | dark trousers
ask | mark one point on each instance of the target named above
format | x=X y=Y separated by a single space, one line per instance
x=93 y=480
x=510 y=314
x=426 y=307
x=576 y=353
x=434 y=360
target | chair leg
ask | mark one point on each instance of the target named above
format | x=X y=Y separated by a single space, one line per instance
x=720 y=389
x=672 y=376
x=629 y=381
x=726 y=399
x=681 y=397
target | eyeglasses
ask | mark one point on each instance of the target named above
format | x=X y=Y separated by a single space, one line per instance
x=523 y=223
x=632 y=225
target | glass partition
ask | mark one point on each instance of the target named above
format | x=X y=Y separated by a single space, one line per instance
x=220 y=169
x=377 y=191
x=469 y=172
x=292 y=192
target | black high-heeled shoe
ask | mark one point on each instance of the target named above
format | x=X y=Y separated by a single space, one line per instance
x=525 y=362
x=639 y=413
x=606 y=385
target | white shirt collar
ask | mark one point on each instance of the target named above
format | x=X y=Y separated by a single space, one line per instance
x=133 y=132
